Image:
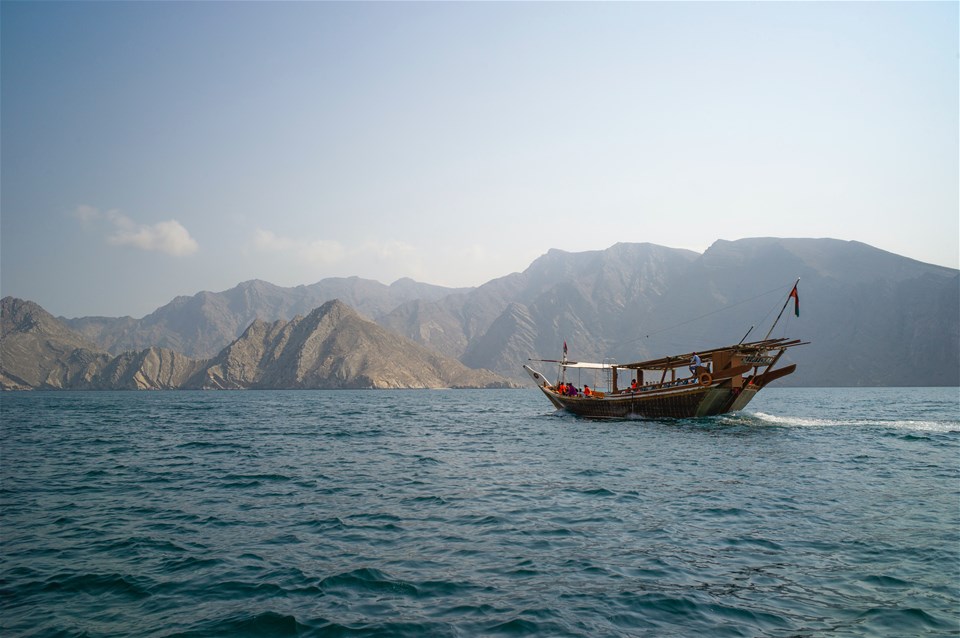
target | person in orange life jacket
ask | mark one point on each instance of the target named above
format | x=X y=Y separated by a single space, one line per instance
x=633 y=384
x=586 y=391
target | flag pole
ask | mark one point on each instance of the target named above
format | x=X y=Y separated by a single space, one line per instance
x=782 y=309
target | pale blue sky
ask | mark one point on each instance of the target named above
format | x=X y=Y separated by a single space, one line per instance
x=157 y=149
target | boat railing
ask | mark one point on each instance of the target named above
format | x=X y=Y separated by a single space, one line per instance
x=654 y=386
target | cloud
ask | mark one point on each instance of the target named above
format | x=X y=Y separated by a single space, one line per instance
x=299 y=259
x=373 y=258
x=267 y=242
x=86 y=214
x=168 y=237
x=389 y=250
x=310 y=251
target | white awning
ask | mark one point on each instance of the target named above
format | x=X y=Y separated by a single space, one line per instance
x=589 y=366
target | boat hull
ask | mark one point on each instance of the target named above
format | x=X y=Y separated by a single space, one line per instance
x=681 y=403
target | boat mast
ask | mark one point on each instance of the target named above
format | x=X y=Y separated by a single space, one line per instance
x=562 y=372
x=782 y=309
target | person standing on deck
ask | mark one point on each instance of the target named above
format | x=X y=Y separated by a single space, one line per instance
x=694 y=364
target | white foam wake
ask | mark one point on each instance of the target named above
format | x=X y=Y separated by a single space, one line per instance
x=796 y=421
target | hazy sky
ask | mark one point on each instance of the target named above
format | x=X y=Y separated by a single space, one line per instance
x=156 y=149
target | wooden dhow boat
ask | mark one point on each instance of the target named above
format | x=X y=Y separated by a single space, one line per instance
x=719 y=381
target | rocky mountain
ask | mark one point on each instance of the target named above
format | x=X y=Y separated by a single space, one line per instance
x=201 y=325
x=589 y=299
x=150 y=369
x=37 y=351
x=873 y=317
x=332 y=347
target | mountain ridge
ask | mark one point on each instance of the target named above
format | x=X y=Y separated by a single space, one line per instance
x=332 y=347
x=202 y=324
x=861 y=308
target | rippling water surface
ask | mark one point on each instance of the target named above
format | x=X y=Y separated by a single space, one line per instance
x=477 y=513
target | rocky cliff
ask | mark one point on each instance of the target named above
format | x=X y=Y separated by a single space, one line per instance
x=203 y=324
x=332 y=347
x=38 y=352
x=150 y=369
x=874 y=318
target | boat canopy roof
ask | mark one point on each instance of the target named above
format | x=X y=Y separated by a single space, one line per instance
x=586 y=365
x=754 y=347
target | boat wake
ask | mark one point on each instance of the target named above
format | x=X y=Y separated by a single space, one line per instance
x=763 y=418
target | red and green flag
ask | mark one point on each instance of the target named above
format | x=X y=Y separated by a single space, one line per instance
x=796 y=300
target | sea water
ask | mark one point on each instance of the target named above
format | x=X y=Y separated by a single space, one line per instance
x=816 y=512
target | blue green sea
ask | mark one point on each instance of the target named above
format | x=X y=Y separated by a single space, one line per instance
x=816 y=512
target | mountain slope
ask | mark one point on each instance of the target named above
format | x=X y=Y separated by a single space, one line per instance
x=333 y=347
x=857 y=303
x=37 y=351
x=874 y=318
x=201 y=325
x=579 y=297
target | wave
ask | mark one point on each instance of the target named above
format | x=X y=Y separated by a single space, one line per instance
x=92 y=584
x=906 y=424
x=268 y=623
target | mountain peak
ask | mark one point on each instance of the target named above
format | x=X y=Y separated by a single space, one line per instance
x=334 y=347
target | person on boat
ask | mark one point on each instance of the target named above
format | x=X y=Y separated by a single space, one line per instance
x=633 y=385
x=586 y=391
x=694 y=364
